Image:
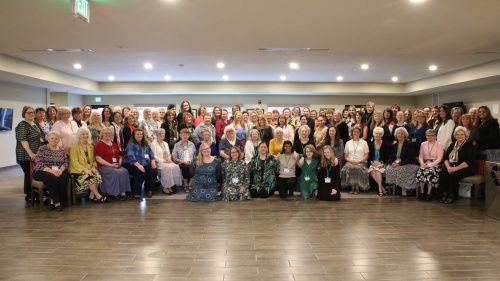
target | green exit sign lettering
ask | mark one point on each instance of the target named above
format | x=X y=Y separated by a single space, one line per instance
x=81 y=9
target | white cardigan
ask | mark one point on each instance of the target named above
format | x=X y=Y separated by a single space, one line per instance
x=445 y=132
x=158 y=152
x=249 y=151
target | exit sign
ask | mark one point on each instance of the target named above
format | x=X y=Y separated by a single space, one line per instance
x=81 y=9
x=98 y=99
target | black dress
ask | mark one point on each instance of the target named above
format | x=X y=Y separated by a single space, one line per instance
x=324 y=188
x=489 y=135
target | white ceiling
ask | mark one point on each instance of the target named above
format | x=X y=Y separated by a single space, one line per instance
x=396 y=37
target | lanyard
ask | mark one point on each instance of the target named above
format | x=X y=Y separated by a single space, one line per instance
x=356 y=147
x=87 y=156
x=261 y=132
x=37 y=129
x=54 y=155
x=287 y=160
x=306 y=169
x=430 y=150
x=112 y=150
x=398 y=153
x=328 y=171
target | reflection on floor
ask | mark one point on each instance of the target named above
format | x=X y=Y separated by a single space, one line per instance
x=358 y=238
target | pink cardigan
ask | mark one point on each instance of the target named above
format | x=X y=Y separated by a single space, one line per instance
x=436 y=153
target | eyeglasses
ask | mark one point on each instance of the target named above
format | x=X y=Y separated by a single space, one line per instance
x=29 y=112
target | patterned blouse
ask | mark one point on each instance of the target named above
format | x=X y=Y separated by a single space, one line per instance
x=46 y=157
x=181 y=153
x=136 y=153
x=32 y=134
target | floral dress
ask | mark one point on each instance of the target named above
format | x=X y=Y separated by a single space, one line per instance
x=235 y=175
x=205 y=185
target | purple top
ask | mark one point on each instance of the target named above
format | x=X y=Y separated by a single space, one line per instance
x=46 y=157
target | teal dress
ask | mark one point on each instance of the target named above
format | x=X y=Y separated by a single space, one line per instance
x=264 y=176
x=307 y=187
x=205 y=185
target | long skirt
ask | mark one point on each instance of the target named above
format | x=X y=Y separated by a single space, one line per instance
x=170 y=175
x=402 y=176
x=83 y=181
x=114 y=181
x=232 y=193
x=429 y=175
x=355 y=175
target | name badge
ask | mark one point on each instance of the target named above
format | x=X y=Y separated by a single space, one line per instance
x=42 y=139
x=88 y=165
x=236 y=180
x=146 y=156
x=413 y=139
x=328 y=180
x=286 y=170
x=114 y=160
x=55 y=167
x=397 y=161
x=355 y=157
x=306 y=178
x=175 y=139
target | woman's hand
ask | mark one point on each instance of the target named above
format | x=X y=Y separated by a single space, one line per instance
x=88 y=172
x=242 y=189
x=94 y=170
x=141 y=168
x=32 y=156
x=153 y=164
x=167 y=160
x=116 y=165
x=395 y=165
x=334 y=191
x=423 y=166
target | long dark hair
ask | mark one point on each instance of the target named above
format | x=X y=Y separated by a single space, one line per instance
x=143 y=142
x=110 y=114
x=448 y=114
x=328 y=139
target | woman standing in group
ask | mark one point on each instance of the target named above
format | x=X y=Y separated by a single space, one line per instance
x=117 y=128
x=184 y=153
x=417 y=136
x=115 y=178
x=66 y=128
x=221 y=124
x=235 y=175
x=320 y=133
x=328 y=176
x=263 y=166
x=171 y=133
x=40 y=119
x=185 y=108
x=140 y=163
x=288 y=132
x=333 y=140
x=252 y=145
x=369 y=109
x=276 y=144
x=254 y=119
x=400 y=122
x=354 y=173
x=458 y=164
x=409 y=120
x=351 y=117
x=83 y=166
x=265 y=131
x=379 y=154
x=76 y=113
x=295 y=120
x=187 y=123
x=201 y=115
x=87 y=110
x=342 y=129
x=128 y=129
x=402 y=167
x=170 y=172
x=362 y=125
x=148 y=125
x=378 y=121
x=51 y=166
x=135 y=112
x=51 y=117
x=106 y=116
x=467 y=123
x=229 y=140
x=308 y=179
x=388 y=117
x=240 y=127
x=303 y=121
x=29 y=137
x=205 y=171
x=95 y=126
x=125 y=111
x=489 y=133
x=216 y=115
x=444 y=126
x=430 y=157
x=206 y=137
x=287 y=161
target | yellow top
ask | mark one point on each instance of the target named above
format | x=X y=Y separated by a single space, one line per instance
x=78 y=160
x=275 y=148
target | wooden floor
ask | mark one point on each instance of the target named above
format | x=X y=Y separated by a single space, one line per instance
x=358 y=238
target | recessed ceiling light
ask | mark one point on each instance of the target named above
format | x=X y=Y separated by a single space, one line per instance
x=433 y=67
x=148 y=66
x=395 y=79
x=365 y=66
x=225 y=77
x=168 y=77
x=282 y=77
x=111 y=78
x=340 y=78
x=221 y=65
x=417 y=1
x=77 y=66
x=294 y=65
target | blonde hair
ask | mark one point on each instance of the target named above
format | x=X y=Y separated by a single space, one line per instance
x=199 y=159
x=382 y=122
x=324 y=161
x=261 y=117
x=79 y=133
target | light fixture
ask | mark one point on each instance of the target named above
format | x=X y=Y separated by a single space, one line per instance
x=77 y=66
x=225 y=77
x=365 y=66
x=168 y=77
x=282 y=77
x=148 y=66
x=111 y=78
x=395 y=79
x=340 y=78
x=417 y=1
x=221 y=65
x=433 y=67
x=294 y=65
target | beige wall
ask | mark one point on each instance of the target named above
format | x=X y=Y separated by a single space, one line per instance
x=16 y=96
x=472 y=97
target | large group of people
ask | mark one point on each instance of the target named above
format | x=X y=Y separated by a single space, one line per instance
x=118 y=154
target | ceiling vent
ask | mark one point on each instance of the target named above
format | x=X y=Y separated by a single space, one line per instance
x=294 y=49
x=58 y=50
x=488 y=53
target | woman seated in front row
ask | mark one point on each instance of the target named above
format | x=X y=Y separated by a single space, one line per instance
x=51 y=166
x=402 y=166
x=170 y=172
x=430 y=157
x=379 y=154
x=458 y=164
x=140 y=163
x=184 y=154
x=206 y=170
x=236 y=178
x=83 y=167
x=263 y=166
x=354 y=173
x=115 y=178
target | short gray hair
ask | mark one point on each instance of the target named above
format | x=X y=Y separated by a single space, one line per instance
x=401 y=129
x=61 y=110
x=378 y=130
x=105 y=129
x=305 y=127
x=463 y=129
x=430 y=132
x=278 y=129
x=159 y=131
x=79 y=133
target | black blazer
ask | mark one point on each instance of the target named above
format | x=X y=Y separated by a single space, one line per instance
x=127 y=134
x=343 y=131
x=385 y=148
x=387 y=137
x=489 y=135
x=407 y=155
x=465 y=154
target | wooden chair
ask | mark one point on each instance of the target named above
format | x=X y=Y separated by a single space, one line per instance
x=477 y=180
x=38 y=187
